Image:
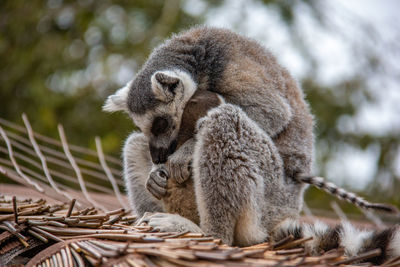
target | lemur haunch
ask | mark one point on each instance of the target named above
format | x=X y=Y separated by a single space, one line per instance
x=250 y=156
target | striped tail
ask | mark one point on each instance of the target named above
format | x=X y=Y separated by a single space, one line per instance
x=353 y=241
x=340 y=193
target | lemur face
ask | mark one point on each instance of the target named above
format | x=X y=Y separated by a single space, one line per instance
x=171 y=90
x=161 y=125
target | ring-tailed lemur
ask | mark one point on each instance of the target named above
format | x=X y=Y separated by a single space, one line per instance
x=250 y=155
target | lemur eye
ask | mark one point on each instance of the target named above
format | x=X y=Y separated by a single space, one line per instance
x=160 y=126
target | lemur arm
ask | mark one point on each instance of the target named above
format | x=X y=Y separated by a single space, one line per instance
x=269 y=110
x=137 y=171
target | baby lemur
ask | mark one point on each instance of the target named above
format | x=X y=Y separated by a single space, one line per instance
x=180 y=196
x=250 y=156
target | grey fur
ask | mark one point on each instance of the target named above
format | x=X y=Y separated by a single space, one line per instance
x=247 y=154
x=240 y=190
x=137 y=166
x=246 y=75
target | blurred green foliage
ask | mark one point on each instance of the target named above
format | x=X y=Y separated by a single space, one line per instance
x=60 y=59
x=57 y=58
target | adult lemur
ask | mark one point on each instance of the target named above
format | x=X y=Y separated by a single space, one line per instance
x=249 y=158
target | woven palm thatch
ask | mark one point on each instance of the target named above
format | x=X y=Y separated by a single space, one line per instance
x=61 y=235
x=68 y=210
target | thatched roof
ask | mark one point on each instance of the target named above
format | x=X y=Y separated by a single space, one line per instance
x=64 y=213
x=36 y=233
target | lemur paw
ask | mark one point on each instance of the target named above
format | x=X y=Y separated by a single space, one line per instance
x=156 y=184
x=167 y=222
x=179 y=168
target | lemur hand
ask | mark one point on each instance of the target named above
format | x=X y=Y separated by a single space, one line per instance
x=179 y=164
x=166 y=222
x=156 y=184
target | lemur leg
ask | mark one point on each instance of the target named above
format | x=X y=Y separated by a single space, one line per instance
x=235 y=169
x=137 y=167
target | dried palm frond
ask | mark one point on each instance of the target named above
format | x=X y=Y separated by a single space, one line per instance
x=62 y=235
x=58 y=169
x=66 y=214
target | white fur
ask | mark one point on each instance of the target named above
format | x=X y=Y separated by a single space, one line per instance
x=248 y=229
x=319 y=179
x=288 y=225
x=330 y=186
x=173 y=108
x=317 y=231
x=340 y=192
x=188 y=83
x=136 y=166
x=352 y=239
x=394 y=245
x=142 y=121
x=118 y=101
x=167 y=222
x=198 y=151
x=351 y=195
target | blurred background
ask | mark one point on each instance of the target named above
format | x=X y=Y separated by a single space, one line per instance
x=59 y=60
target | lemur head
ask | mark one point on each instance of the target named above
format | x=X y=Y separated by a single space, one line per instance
x=156 y=102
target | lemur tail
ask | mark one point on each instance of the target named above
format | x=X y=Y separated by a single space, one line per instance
x=344 y=235
x=340 y=193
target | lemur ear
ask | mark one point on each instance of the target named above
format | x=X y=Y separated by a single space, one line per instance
x=118 y=101
x=164 y=85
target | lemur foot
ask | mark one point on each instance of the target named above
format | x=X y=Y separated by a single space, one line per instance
x=167 y=222
x=156 y=184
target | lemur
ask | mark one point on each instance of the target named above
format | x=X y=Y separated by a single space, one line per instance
x=250 y=157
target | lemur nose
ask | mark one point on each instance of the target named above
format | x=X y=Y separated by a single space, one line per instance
x=160 y=155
